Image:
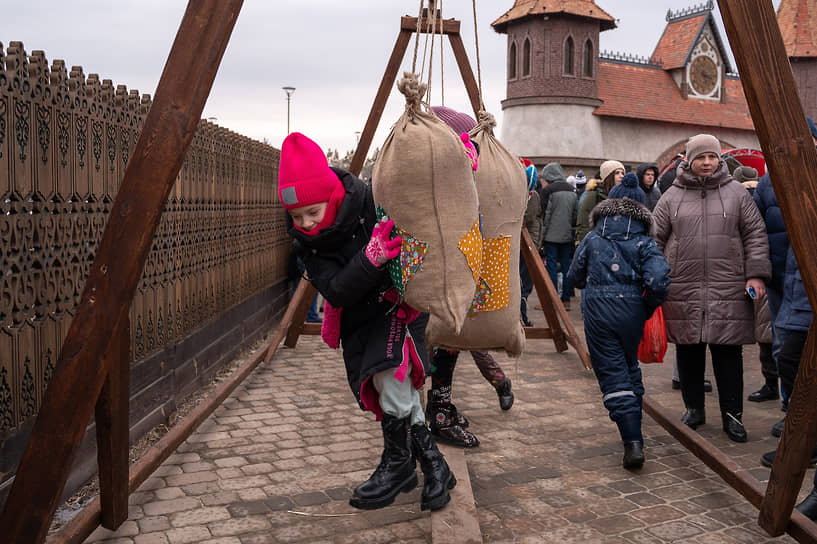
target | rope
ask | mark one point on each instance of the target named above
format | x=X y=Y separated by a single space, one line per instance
x=417 y=39
x=425 y=51
x=476 y=42
x=442 y=63
x=432 y=28
x=413 y=89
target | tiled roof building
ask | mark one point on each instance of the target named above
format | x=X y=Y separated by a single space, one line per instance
x=566 y=101
x=798 y=24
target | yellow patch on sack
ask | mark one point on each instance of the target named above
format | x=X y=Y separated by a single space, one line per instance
x=496 y=257
x=471 y=246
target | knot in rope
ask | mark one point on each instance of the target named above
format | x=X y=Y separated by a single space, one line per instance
x=413 y=89
x=486 y=120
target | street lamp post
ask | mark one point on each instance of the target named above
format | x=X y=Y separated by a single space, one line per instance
x=289 y=91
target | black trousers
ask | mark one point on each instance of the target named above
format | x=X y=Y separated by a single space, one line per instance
x=727 y=363
x=788 y=360
x=767 y=365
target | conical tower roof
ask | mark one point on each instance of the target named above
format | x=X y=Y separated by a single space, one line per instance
x=798 y=24
x=523 y=9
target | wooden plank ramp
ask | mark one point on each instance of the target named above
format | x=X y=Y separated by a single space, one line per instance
x=457 y=523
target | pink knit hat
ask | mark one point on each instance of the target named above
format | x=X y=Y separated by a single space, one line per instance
x=304 y=176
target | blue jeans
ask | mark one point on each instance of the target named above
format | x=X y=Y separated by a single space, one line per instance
x=558 y=255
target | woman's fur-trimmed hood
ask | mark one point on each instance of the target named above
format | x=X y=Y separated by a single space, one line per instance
x=624 y=207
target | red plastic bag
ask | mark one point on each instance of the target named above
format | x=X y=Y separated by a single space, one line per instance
x=653 y=344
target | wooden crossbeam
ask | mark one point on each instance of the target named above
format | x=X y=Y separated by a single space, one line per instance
x=102 y=310
x=788 y=148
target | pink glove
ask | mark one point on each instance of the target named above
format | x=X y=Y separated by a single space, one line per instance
x=380 y=249
x=330 y=328
x=469 y=149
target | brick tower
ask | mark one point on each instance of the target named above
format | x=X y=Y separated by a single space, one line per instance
x=552 y=78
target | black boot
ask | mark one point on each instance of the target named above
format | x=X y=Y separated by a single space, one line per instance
x=767 y=392
x=777 y=428
x=733 y=427
x=809 y=505
x=694 y=417
x=505 y=394
x=629 y=427
x=633 y=455
x=396 y=471
x=437 y=477
x=446 y=424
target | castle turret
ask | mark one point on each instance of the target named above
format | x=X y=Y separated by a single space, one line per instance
x=552 y=69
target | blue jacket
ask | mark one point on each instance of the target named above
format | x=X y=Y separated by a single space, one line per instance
x=775 y=228
x=795 y=310
x=619 y=259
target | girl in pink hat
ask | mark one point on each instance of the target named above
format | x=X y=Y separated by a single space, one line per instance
x=331 y=216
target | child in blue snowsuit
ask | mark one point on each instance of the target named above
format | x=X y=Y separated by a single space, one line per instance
x=625 y=278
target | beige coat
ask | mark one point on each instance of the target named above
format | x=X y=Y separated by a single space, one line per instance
x=714 y=239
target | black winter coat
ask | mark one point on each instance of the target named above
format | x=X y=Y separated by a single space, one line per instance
x=371 y=332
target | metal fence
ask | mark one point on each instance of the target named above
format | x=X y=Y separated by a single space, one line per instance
x=64 y=143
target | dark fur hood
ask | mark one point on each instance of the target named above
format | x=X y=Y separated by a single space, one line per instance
x=624 y=207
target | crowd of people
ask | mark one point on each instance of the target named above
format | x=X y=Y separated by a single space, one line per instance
x=707 y=245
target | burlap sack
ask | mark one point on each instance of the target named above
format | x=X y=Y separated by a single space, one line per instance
x=503 y=197
x=423 y=180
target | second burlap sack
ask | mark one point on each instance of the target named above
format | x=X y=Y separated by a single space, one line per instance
x=424 y=182
x=494 y=323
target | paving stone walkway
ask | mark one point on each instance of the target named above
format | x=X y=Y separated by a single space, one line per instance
x=277 y=462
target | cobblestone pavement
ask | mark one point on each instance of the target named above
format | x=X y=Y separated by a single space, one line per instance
x=278 y=460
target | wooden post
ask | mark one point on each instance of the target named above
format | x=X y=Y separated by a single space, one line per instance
x=389 y=77
x=788 y=148
x=151 y=172
x=471 y=86
x=552 y=306
x=112 y=431
x=296 y=328
x=298 y=300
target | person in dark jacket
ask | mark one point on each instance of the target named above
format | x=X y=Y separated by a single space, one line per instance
x=534 y=219
x=560 y=214
x=668 y=177
x=792 y=317
x=778 y=254
x=648 y=181
x=581 y=184
x=625 y=278
x=331 y=215
x=447 y=424
x=746 y=176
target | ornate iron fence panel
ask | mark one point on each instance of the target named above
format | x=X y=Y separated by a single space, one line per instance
x=65 y=141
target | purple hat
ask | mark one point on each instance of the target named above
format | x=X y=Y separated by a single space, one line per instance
x=459 y=122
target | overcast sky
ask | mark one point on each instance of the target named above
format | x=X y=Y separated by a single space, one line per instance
x=333 y=52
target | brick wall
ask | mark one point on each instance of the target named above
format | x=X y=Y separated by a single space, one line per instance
x=547 y=39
